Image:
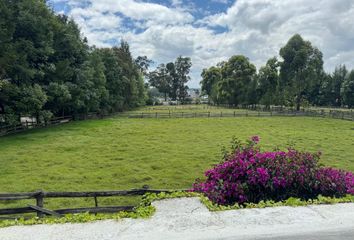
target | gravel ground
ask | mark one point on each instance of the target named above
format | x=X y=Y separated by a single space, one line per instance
x=187 y=218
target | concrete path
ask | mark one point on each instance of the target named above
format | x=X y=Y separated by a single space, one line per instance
x=187 y=218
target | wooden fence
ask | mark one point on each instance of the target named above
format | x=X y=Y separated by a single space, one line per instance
x=11 y=129
x=41 y=211
x=344 y=115
x=337 y=114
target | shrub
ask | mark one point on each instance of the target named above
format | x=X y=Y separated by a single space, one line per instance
x=248 y=175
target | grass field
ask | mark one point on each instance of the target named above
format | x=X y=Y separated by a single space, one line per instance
x=213 y=109
x=186 y=109
x=122 y=153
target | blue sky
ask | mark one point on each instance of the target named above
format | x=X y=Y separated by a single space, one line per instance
x=212 y=31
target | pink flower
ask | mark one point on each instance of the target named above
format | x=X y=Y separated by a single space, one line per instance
x=251 y=175
x=255 y=139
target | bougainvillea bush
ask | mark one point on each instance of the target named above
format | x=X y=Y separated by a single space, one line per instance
x=248 y=174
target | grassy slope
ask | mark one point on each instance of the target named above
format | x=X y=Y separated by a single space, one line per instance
x=120 y=153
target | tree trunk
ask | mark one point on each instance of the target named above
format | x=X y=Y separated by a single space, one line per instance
x=298 y=103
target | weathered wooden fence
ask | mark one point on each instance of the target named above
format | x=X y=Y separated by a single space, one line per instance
x=10 y=129
x=41 y=211
x=213 y=114
x=337 y=114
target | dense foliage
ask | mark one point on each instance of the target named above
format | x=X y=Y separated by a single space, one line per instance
x=171 y=78
x=250 y=175
x=298 y=79
x=47 y=67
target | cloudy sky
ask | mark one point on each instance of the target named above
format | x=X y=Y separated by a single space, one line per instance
x=210 y=31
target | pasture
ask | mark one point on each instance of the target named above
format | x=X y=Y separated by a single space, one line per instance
x=122 y=153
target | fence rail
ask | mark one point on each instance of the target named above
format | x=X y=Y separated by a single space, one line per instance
x=11 y=129
x=337 y=115
x=39 y=196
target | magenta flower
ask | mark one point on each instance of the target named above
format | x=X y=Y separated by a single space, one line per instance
x=250 y=175
x=255 y=139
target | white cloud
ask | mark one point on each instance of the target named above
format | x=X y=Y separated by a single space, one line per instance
x=327 y=24
x=255 y=28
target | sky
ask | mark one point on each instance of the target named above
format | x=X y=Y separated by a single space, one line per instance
x=210 y=31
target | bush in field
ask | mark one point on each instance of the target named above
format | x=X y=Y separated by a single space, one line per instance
x=249 y=175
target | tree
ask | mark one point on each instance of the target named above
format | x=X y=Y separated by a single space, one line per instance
x=268 y=78
x=7 y=29
x=161 y=80
x=210 y=77
x=143 y=64
x=347 y=90
x=31 y=100
x=59 y=98
x=174 y=84
x=237 y=75
x=114 y=79
x=338 y=78
x=133 y=84
x=49 y=67
x=324 y=95
x=182 y=66
x=301 y=68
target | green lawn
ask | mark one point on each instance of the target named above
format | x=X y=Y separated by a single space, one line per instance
x=122 y=153
x=202 y=108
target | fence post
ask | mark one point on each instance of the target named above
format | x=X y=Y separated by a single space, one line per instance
x=220 y=114
x=96 y=202
x=209 y=114
x=182 y=114
x=39 y=202
x=234 y=113
x=142 y=115
x=156 y=114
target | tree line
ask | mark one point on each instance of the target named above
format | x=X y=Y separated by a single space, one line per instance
x=170 y=79
x=298 y=79
x=48 y=69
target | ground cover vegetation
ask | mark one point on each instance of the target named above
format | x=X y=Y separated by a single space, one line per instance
x=186 y=108
x=296 y=79
x=145 y=209
x=249 y=175
x=121 y=153
x=48 y=69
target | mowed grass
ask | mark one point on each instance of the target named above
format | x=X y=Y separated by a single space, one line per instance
x=123 y=153
x=201 y=108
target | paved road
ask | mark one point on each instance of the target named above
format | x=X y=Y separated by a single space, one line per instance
x=331 y=235
x=187 y=218
x=336 y=235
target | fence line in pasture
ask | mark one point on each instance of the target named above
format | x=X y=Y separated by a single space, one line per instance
x=27 y=125
x=249 y=112
x=337 y=115
x=41 y=211
x=24 y=126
